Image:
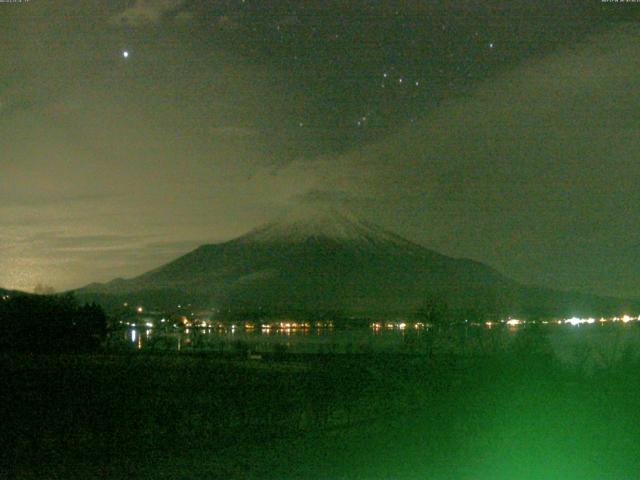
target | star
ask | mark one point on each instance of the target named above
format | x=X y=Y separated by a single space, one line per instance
x=491 y=45
x=125 y=54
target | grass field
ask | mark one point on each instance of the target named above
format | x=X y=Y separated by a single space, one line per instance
x=511 y=416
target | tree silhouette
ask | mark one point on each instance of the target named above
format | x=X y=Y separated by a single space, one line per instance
x=434 y=311
x=43 y=323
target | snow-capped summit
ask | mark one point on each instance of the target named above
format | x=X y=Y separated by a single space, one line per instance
x=321 y=222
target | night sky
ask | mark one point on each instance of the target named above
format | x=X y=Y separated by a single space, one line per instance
x=506 y=132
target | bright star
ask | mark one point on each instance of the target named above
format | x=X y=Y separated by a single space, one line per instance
x=125 y=54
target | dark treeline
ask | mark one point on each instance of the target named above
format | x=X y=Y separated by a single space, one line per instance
x=50 y=323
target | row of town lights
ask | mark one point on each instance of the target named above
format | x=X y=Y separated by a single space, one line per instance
x=512 y=322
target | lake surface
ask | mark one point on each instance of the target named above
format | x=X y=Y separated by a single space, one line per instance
x=587 y=344
x=308 y=340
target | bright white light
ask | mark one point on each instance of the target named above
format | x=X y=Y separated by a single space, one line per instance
x=512 y=322
x=573 y=321
x=140 y=309
x=125 y=54
x=626 y=318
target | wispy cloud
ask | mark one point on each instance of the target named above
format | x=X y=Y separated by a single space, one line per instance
x=145 y=12
x=56 y=241
x=39 y=200
x=338 y=197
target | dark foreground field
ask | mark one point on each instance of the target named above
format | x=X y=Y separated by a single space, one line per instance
x=513 y=416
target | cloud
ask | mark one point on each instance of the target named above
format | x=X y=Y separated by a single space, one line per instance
x=173 y=246
x=225 y=22
x=233 y=131
x=55 y=241
x=534 y=172
x=13 y=199
x=184 y=16
x=334 y=197
x=67 y=260
x=145 y=12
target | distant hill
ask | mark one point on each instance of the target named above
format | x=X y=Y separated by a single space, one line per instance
x=322 y=259
x=5 y=292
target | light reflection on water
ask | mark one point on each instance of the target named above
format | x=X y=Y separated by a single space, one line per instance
x=300 y=340
x=607 y=341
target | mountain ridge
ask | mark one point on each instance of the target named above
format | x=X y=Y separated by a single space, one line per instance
x=332 y=261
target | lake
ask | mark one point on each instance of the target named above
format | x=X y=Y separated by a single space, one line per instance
x=585 y=344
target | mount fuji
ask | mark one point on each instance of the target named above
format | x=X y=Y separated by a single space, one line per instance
x=321 y=259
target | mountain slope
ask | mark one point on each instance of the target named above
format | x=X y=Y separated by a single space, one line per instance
x=328 y=260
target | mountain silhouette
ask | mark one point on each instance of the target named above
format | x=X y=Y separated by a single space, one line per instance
x=327 y=259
